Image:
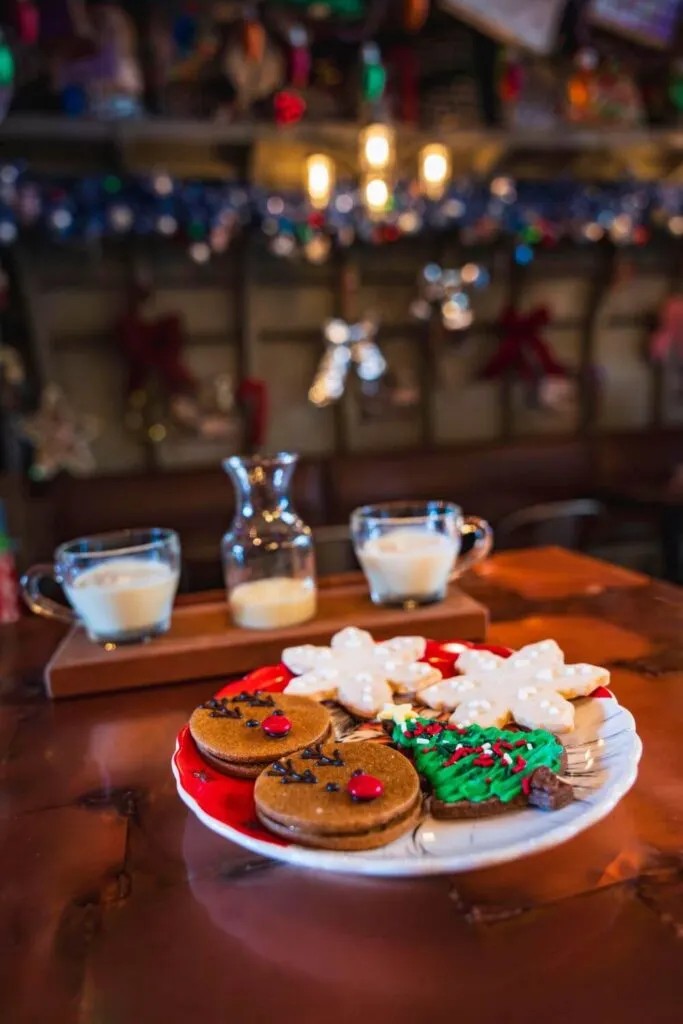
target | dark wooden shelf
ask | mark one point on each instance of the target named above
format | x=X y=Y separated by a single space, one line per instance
x=184 y=131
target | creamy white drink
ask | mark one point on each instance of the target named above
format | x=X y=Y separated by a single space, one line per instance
x=409 y=564
x=273 y=603
x=123 y=596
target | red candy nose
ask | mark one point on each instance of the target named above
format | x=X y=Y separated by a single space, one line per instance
x=364 y=787
x=276 y=725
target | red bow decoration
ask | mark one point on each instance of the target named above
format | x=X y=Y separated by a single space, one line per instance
x=522 y=350
x=154 y=348
x=667 y=340
x=26 y=22
x=253 y=397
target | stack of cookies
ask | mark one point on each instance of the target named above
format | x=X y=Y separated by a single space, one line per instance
x=308 y=790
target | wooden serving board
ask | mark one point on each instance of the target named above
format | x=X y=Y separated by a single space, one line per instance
x=203 y=643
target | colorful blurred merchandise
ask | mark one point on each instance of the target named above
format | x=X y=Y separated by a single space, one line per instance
x=6 y=76
x=532 y=24
x=319 y=11
x=9 y=594
x=220 y=63
x=649 y=22
x=530 y=90
x=107 y=82
x=603 y=93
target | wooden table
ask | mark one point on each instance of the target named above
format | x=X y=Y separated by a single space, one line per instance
x=116 y=905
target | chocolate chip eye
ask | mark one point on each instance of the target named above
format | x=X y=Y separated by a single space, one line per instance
x=252 y=723
x=332 y=787
x=278 y=712
x=358 y=771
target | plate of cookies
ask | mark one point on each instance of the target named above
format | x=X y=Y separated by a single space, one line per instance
x=407 y=756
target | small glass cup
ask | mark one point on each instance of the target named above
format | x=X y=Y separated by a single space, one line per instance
x=410 y=551
x=120 y=585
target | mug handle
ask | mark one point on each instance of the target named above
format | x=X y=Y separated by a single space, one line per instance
x=37 y=602
x=481 y=548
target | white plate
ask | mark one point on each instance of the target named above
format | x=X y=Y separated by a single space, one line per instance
x=437 y=847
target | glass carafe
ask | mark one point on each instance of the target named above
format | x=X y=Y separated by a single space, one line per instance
x=268 y=556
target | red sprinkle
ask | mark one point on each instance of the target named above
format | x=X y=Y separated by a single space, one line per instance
x=521 y=743
x=364 y=787
x=487 y=780
x=456 y=728
x=520 y=764
x=458 y=755
x=505 y=745
x=484 y=761
x=526 y=785
x=418 y=729
x=276 y=725
x=434 y=728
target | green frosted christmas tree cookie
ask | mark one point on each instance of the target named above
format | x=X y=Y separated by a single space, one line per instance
x=477 y=772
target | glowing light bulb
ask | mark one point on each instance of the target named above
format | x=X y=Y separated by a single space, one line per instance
x=435 y=169
x=376 y=194
x=320 y=179
x=377 y=147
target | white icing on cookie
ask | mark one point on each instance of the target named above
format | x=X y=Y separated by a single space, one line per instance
x=352 y=639
x=543 y=710
x=411 y=677
x=479 y=664
x=306 y=657
x=573 y=681
x=364 y=693
x=447 y=694
x=481 y=710
x=321 y=684
x=405 y=648
x=543 y=655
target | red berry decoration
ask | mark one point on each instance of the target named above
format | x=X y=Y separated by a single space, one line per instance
x=364 y=787
x=276 y=726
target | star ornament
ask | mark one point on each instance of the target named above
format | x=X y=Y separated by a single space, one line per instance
x=534 y=688
x=60 y=437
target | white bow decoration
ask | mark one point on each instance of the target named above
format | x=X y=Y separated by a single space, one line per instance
x=347 y=344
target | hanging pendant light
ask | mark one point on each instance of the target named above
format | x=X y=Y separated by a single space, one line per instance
x=320 y=180
x=434 y=170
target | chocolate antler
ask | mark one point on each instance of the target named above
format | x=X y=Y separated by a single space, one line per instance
x=255 y=699
x=288 y=774
x=315 y=752
x=220 y=709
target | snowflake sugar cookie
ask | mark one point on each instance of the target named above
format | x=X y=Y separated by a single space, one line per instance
x=357 y=672
x=533 y=688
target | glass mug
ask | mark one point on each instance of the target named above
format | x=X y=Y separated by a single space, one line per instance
x=120 y=585
x=410 y=551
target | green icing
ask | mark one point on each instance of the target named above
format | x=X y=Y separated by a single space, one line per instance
x=464 y=780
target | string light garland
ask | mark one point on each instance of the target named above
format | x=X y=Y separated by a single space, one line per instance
x=206 y=216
